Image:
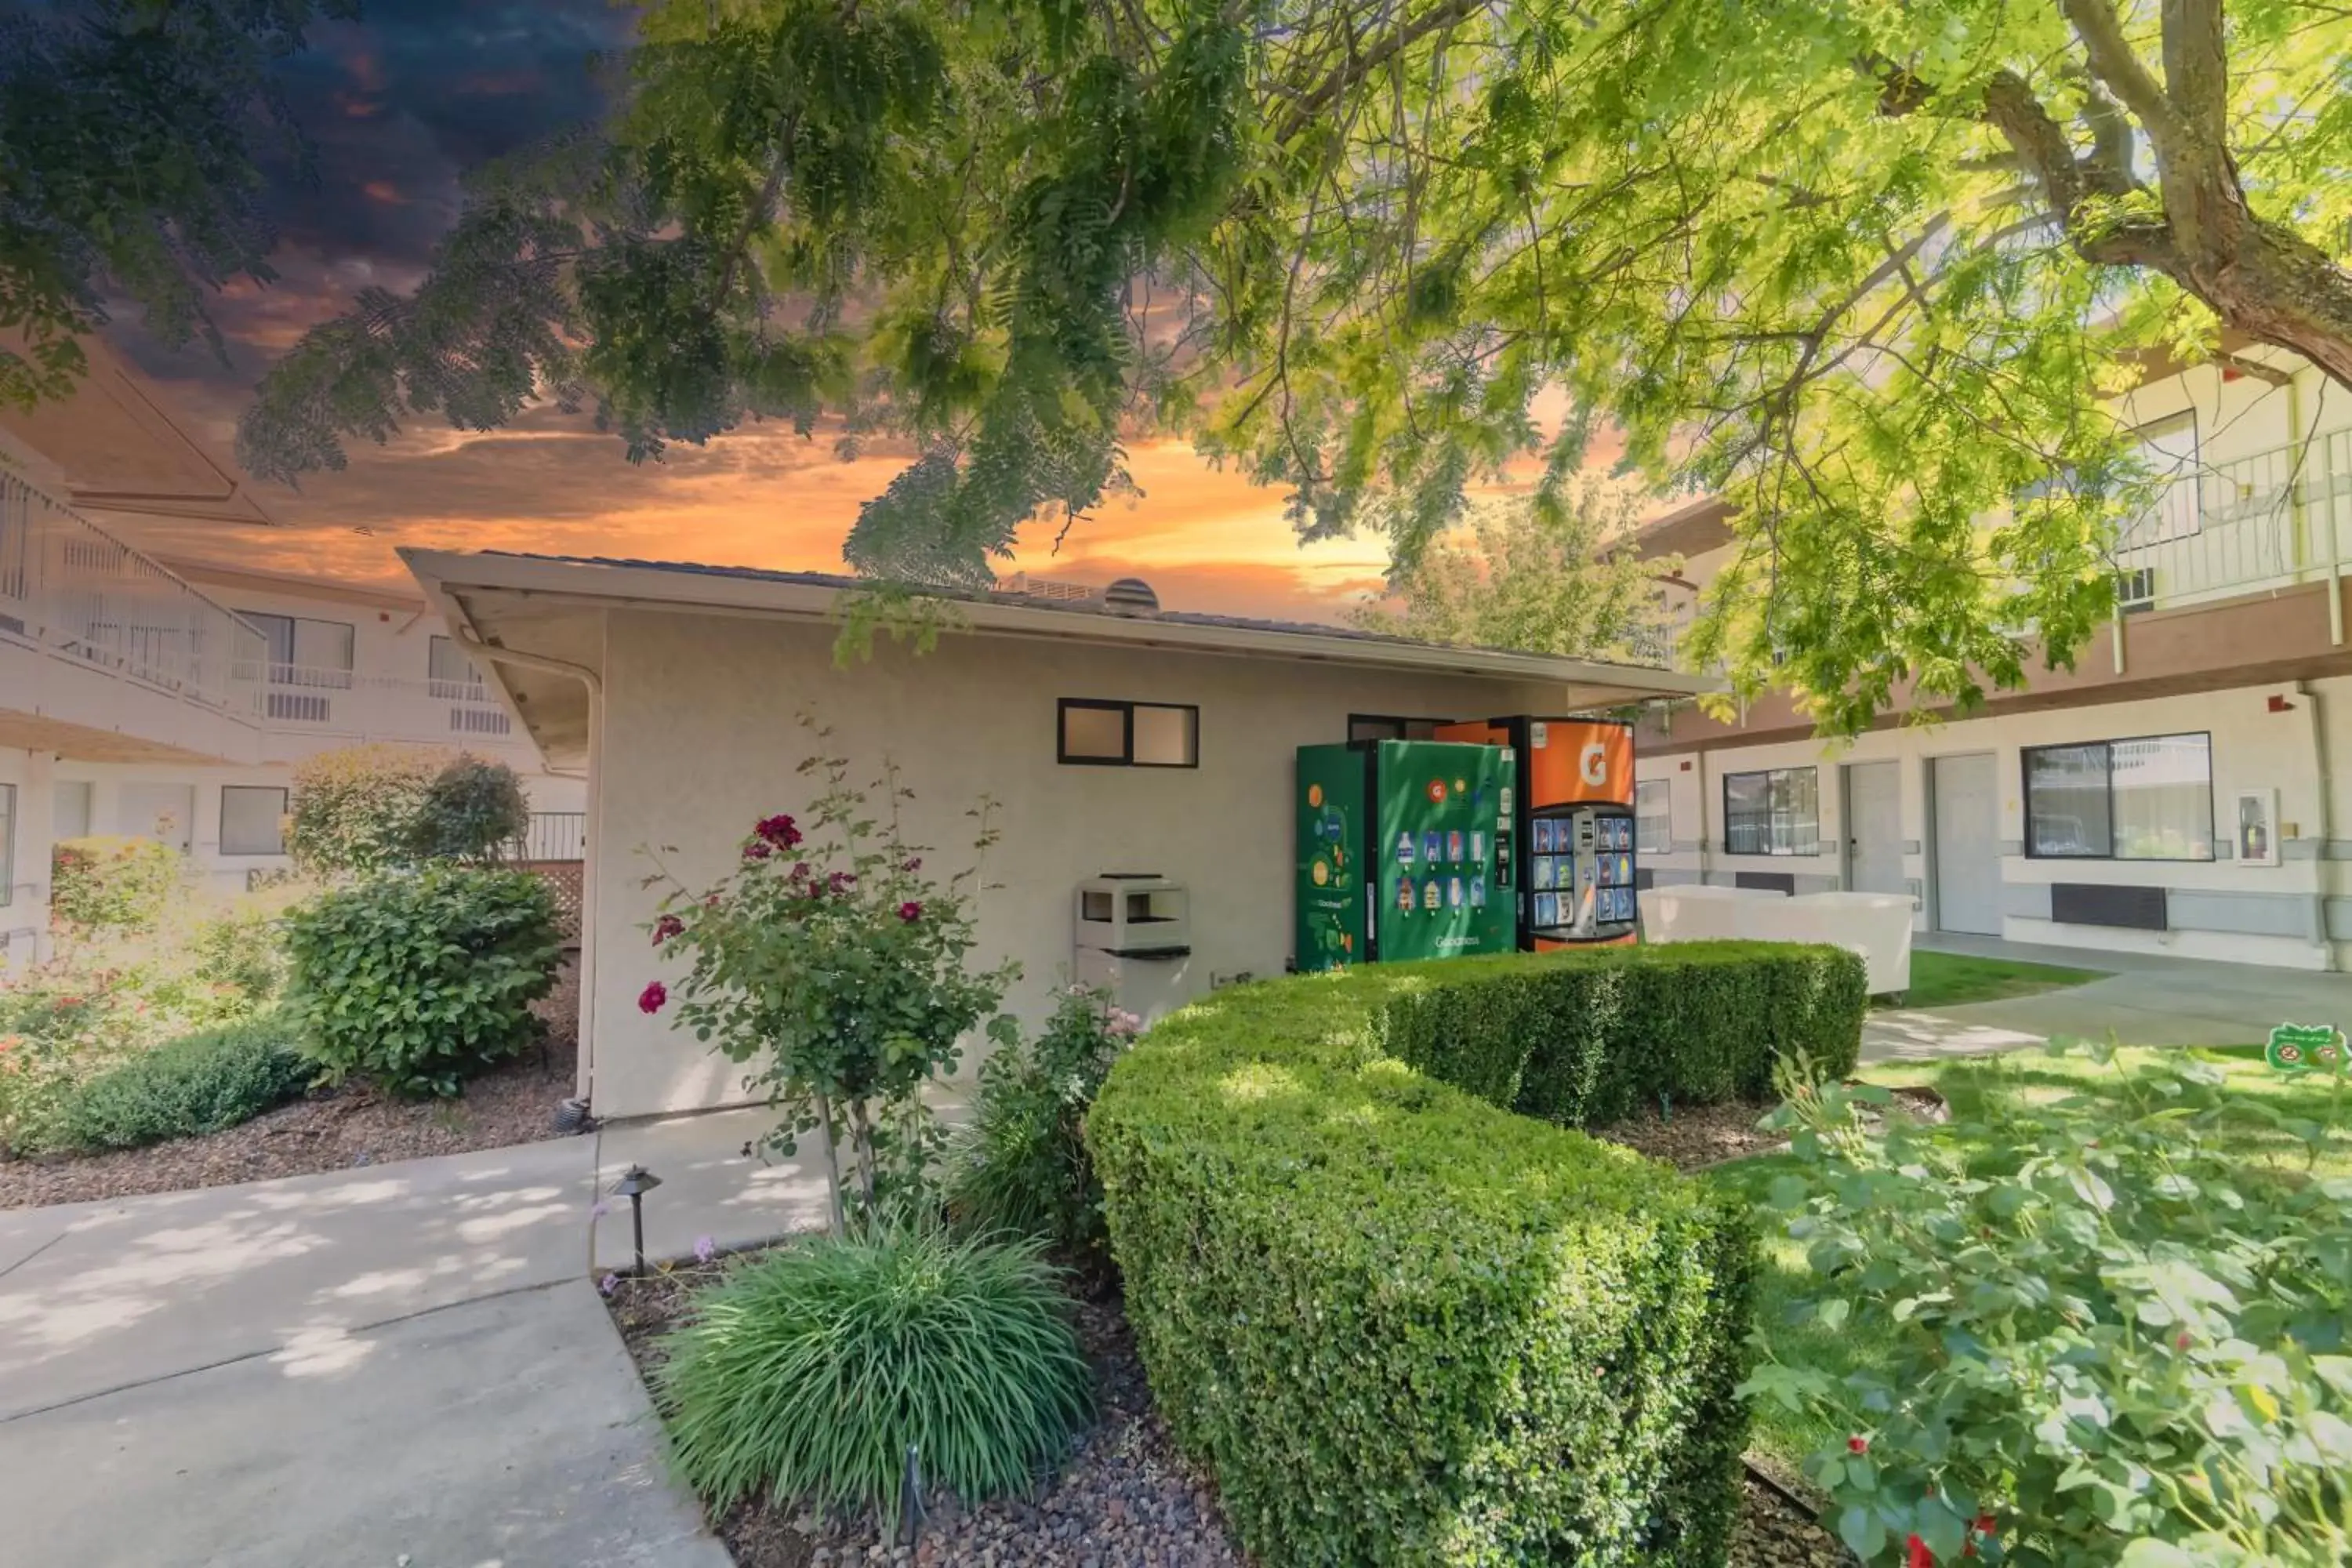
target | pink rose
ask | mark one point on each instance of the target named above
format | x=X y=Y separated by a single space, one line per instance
x=652 y=997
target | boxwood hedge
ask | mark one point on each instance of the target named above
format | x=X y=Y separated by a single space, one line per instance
x=1404 y=1325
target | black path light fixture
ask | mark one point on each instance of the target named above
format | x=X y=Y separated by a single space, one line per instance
x=635 y=1184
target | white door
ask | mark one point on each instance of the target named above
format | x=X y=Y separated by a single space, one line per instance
x=1874 y=828
x=1968 y=845
x=163 y=811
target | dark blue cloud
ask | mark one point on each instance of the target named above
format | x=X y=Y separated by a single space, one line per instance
x=399 y=105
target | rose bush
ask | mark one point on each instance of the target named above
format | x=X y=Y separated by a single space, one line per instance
x=2109 y=1342
x=829 y=962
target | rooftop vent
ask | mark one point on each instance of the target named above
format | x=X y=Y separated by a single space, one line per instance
x=1060 y=589
x=1130 y=596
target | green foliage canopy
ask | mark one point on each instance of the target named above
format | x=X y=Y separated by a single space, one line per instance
x=1864 y=270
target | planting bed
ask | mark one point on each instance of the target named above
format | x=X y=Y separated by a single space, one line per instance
x=1126 y=1499
x=333 y=1130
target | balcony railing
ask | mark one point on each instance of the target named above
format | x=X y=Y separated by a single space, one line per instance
x=2274 y=519
x=325 y=700
x=553 y=835
x=71 y=588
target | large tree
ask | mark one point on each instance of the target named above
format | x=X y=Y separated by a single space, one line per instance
x=1548 y=573
x=1866 y=269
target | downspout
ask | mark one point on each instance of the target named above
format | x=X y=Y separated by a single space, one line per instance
x=582 y=1074
x=2308 y=699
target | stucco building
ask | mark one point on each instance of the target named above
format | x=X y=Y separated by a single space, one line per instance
x=2184 y=789
x=1112 y=737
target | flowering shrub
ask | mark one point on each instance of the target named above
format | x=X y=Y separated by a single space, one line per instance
x=828 y=960
x=101 y=885
x=1024 y=1167
x=2110 y=1342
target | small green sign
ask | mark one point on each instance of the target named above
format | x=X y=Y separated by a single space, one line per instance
x=2306 y=1047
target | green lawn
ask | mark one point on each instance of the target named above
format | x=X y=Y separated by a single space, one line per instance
x=1964 y=1082
x=1953 y=979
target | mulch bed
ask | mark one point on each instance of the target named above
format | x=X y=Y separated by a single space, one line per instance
x=331 y=1129
x=1692 y=1137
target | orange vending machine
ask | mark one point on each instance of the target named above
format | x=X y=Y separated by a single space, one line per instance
x=1572 y=825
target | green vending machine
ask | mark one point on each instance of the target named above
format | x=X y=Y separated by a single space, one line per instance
x=1404 y=851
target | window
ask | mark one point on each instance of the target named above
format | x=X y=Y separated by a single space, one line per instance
x=7 y=845
x=252 y=820
x=450 y=669
x=1386 y=727
x=1130 y=734
x=1653 y=824
x=2146 y=799
x=304 y=652
x=1777 y=812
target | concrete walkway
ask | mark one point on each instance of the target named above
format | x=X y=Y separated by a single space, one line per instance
x=402 y=1364
x=2145 y=1000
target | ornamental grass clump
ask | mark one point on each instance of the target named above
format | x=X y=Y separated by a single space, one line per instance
x=813 y=1371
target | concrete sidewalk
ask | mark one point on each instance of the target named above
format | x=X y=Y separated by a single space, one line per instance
x=2145 y=1000
x=407 y=1363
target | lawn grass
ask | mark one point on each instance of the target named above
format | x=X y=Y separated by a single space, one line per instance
x=1965 y=1082
x=1956 y=979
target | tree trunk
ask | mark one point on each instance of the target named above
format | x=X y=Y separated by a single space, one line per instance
x=834 y=1217
x=861 y=1149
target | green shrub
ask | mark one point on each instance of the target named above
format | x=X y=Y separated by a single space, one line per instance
x=1403 y=1325
x=196 y=1084
x=2104 y=1336
x=472 y=810
x=1023 y=1167
x=421 y=981
x=101 y=885
x=1621 y=1029
x=355 y=809
x=810 y=1371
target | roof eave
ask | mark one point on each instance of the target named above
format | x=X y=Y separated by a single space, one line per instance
x=443 y=574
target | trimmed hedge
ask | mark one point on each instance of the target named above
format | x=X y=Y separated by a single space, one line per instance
x=186 y=1087
x=1403 y=1325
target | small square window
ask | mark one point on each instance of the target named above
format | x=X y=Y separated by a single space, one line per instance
x=1100 y=733
x=252 y=820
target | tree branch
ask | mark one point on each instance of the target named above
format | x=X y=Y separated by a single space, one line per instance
x=2115 y=62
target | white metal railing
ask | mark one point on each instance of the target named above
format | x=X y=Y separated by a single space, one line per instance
x=553 y=835
x=76 y=591
x=2272 y=520
x=328 y=700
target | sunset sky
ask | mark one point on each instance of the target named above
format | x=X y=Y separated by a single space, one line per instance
x=422 y=89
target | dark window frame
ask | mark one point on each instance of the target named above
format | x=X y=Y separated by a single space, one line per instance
x=285 y=803
x=2026 y=756
x=1126 y=709
x=1403 y=722
x=1766 y=774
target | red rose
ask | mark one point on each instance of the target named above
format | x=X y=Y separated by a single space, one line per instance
x=667 y=927
x=758 y=849
x=651 y=998
x=2181 y=1343
x=910 y=911
x=913 y=863
x=778 y=830
x=1985 y=1523
x=1917 y=1556
x=1857 y=1445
